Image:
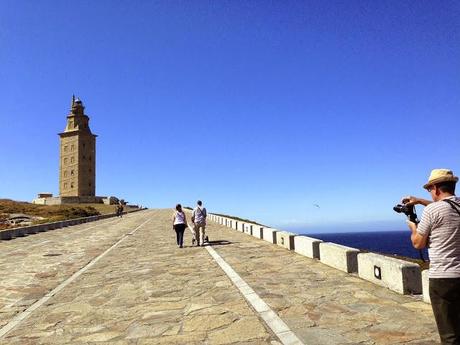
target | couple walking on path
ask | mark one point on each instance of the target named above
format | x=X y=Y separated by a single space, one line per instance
x=199 y=215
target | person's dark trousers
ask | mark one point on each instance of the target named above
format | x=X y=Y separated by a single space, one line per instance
x=445 y=301
x=180 y=228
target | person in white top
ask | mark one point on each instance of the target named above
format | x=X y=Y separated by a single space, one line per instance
x=199 y=215
x=439 y=230
x=179 y=225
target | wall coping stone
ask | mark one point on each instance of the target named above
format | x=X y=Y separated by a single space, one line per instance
x=307 y=246
x=338 y=256
x=395 y=274
x=8 y=234
x=269 y=235
x=258 y=231
x=285 y=239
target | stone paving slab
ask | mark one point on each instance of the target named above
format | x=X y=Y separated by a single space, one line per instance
x=147 y=291
x=323 y=305
x=144 y=291
x=31 y=266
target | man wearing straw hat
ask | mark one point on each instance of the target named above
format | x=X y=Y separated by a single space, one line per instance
x=439 y=230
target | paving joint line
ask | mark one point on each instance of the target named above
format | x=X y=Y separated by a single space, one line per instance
x=27 y=312
x=271 y=319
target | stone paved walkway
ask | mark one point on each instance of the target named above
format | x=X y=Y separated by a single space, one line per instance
x=145 y=290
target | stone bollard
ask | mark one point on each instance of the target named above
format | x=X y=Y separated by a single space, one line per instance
x=285 y=239
x=341 y=257
x=258 y=231
x=248 y=228
x=307 y=246
x=398 y=275
x=269 y=235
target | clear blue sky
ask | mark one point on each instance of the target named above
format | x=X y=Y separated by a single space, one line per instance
x=259 y=108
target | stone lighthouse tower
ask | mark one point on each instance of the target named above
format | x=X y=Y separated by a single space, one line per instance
x=77 y=166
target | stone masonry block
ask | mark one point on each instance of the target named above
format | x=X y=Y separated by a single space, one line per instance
x=307 y=246
x=30 y=230
x=19 y=232
x=248 y=228
x=398 y=275
x=285 y=239
x=269 y=235
x=258 y=231
x=338 y=256
x=6 y=234
x=42 y=227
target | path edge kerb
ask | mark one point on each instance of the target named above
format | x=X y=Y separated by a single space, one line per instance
x=260 y=307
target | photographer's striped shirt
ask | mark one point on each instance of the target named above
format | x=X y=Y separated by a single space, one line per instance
x=442 y=223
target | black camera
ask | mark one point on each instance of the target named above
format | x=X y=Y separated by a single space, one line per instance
x=408 y=210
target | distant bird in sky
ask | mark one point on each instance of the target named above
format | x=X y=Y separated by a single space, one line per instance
x=316 y=205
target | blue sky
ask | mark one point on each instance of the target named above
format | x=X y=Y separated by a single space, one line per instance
x=259 y=108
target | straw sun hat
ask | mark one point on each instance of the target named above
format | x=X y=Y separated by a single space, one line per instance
x=440 y=175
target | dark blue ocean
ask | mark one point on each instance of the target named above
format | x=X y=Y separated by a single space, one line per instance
x=387 y=242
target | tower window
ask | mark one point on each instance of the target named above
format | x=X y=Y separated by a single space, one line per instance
x=65 y=185
x=71 y=185
x=65 y=148
x=71 y=172
x=72 y=159
x=65 y=173
x=72 y=147
x=65 y=160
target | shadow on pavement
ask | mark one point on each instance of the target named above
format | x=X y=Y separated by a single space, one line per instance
x=219 y=243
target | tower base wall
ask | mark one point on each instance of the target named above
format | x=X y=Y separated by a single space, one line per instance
x=63 y=200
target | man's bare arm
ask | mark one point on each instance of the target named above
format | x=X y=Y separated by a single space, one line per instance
x=418 y=241
x=412 y=200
